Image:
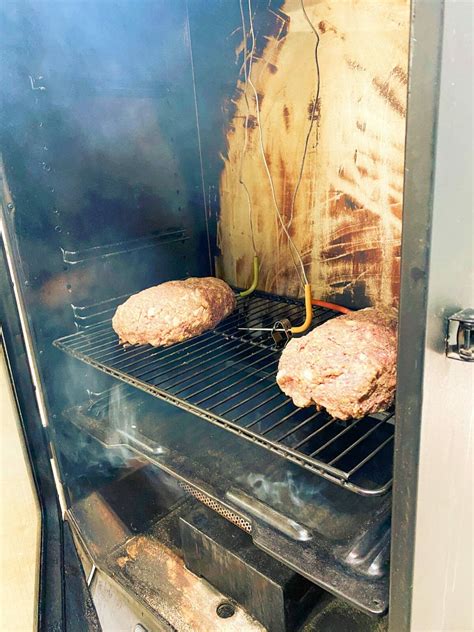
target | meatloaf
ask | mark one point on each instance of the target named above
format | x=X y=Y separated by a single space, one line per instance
x=173 y=311
x=347 y=365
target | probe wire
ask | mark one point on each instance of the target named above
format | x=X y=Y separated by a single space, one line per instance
x=244 y=149
x=302 y=277
x=313 y=112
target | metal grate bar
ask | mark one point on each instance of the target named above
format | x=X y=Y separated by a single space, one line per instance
x=100 y=313
x=88 y=328
x=271 y=412
x=222 y=363
x=260 y=307
x=370 y=456
x=214 y=393
x=224 y=379
x=103 y=324
x=298 y=427
x=244 y=398
x=106 y=350
x=146 y=354
x=255 y=408
x=93 y=338
x=356 y=443
x=102 y=327
x=337 y=436
x=106 y=342
x=200 y=355
x=313 y=434
x=232 y=396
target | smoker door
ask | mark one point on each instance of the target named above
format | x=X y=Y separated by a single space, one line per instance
x=62 y=594
x=431 y=582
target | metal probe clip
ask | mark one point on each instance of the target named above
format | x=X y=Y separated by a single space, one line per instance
x=281 y=331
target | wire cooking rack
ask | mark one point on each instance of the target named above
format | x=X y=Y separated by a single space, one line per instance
x=227 y=376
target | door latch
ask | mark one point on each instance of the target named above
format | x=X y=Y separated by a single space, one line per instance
x=460 y=336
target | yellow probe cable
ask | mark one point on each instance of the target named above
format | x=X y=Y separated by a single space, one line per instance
x=253 y=287
x=309 y=312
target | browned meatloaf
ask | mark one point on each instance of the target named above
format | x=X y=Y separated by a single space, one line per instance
x=347 y=365
x=173 y=311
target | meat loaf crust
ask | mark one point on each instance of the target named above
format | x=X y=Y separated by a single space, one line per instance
x=347 y=365
x=173 y=311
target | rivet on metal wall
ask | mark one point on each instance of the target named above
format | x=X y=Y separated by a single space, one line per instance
x=225 y=610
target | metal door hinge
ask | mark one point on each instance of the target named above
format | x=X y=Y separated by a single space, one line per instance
x=460 y=336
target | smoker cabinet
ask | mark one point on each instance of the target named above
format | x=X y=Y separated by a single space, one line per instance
x=194 y=492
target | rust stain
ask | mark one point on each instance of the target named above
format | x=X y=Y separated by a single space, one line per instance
x=325 y=26
x=186 y=601
x=122 y=561
x=389 y=95
x=286 y=116
x=133 y=549
x=400 y=74
x=354 y=65
x=286 y=193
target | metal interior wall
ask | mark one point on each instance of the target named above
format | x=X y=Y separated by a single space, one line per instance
x=99 y=142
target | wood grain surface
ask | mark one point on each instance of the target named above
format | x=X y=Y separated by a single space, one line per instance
x=347 y=214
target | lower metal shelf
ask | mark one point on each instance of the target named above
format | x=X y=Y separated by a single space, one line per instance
x=227 y=377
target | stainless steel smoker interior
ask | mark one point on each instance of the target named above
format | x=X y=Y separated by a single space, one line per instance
x=227 y=376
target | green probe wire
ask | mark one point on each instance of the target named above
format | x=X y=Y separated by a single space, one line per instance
x=253 y=287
